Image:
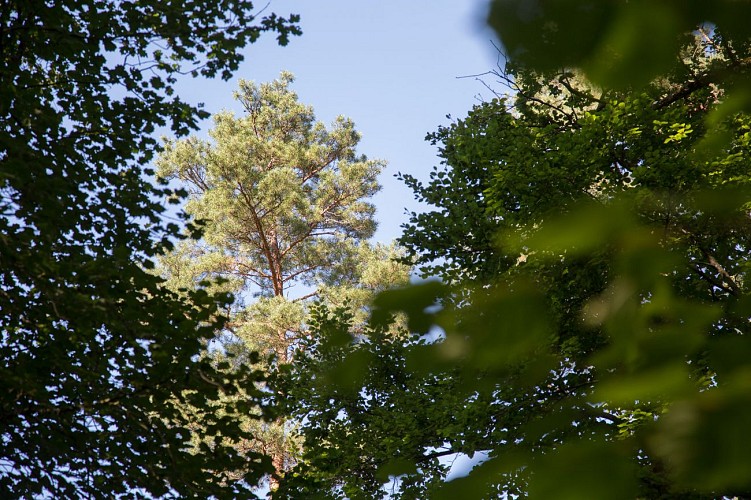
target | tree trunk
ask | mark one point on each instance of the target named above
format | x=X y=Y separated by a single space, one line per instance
x=277 y=459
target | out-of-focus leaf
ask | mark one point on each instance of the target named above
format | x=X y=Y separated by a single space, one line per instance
x=619 y=43
x=585 y=227
x=396 y=467
x=419 y=302
x=705 y=440
x=479 y=482
x=348 y=375
x=584 y=469
x=649 y=386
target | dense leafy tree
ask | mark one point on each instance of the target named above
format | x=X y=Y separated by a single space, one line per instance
x=284 y=200
x=369 y=416
x=95 y=349
x=594 y=249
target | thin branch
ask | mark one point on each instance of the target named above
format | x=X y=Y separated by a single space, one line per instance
x=713 y=262
x=307 y=296
x=299 y=272
x=265 y=247
x=712 y=281
x=702 y=81
x=563 y=79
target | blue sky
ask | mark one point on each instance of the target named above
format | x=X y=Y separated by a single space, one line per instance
x=391 y=66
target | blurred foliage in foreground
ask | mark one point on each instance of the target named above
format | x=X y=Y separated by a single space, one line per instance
x=589 y=329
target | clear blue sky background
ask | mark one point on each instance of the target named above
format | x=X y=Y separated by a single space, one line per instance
x=391 y=66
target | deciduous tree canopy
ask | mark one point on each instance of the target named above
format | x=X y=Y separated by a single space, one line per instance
x=593 y=247
x=93 y=346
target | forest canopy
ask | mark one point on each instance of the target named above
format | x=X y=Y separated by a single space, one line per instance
x=590 y=235
x=581 y=315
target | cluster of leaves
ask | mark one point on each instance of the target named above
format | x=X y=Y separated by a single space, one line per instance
x=592 y=317
x=95 y=349
x=364 y=414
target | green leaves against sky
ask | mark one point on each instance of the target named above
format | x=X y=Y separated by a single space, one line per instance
x=587 y=236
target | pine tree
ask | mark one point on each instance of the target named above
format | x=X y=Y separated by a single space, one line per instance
x=283 y=199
